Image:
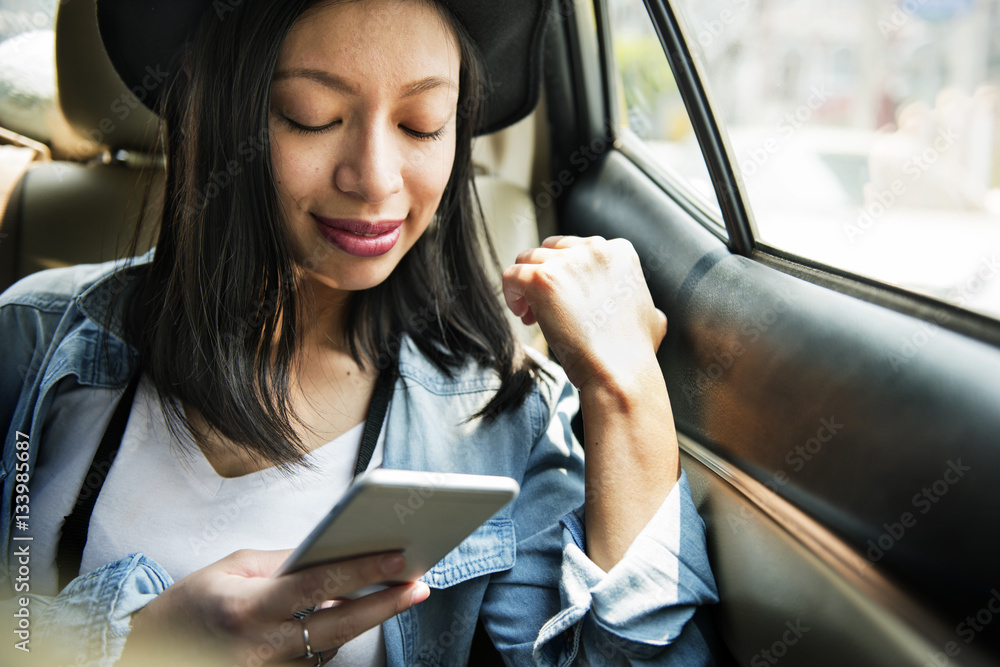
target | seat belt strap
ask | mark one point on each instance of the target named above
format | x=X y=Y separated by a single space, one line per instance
x=376 y=416
x=77 y=524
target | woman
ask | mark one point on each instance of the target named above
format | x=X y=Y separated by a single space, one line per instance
x=337 y=268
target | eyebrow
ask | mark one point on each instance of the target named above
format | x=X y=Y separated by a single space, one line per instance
x=340 y=85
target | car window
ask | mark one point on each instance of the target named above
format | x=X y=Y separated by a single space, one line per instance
x=866 y=133
x=27 y=67
x=650 y=114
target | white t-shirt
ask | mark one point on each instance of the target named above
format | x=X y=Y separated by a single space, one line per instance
x=166 y=501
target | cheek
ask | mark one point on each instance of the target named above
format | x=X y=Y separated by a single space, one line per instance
x=296 y=172
x=429 y=178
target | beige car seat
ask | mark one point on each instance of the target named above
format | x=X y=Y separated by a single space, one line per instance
x=506 y=167
x=69 y=211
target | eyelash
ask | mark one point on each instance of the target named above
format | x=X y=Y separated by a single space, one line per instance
x=306 y=129
x=425 y=136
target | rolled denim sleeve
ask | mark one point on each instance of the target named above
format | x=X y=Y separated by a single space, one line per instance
x=89 y=621
x=556 y=607
x=642 y=606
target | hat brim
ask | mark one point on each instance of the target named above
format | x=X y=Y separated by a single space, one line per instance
x=143 y=39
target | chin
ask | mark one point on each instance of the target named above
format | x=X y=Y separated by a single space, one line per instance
x=350 y=279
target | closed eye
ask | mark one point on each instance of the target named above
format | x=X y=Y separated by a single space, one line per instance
x=319 y=129
x=424 y=136
x=305 y=129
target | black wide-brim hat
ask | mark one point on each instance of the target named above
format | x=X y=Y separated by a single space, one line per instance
x=141 y=35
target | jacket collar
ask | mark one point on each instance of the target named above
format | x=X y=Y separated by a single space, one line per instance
x=112 y=291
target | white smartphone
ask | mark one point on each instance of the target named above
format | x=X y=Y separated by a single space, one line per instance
x=424 y=515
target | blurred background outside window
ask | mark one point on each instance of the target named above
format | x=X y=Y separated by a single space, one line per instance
x=27 y=68
x=650 y=107
x=866 y=132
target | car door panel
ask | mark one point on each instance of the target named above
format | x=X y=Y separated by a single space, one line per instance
x=781 y=599
x=799 y=388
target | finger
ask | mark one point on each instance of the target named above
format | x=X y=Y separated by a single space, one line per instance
x=556 y=242
x=252 y=563
x=515 y=281
x=661 y=329
x=303 y=661
x=332 y=628
x=303 y=590
x=537 y=255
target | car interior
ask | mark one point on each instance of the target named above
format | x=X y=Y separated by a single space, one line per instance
x=766 y=352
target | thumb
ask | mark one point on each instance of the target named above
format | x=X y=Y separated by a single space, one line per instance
x=253 y=563
x=660 y=329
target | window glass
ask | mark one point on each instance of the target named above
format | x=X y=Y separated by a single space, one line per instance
x=27 y=67
x=650 y=108
x=866 y=132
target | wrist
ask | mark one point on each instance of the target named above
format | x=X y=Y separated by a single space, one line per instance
x=624 y=384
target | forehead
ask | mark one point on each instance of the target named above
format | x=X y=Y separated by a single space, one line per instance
x=390 y=39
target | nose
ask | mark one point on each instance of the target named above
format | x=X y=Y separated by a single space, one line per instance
x=369 y=167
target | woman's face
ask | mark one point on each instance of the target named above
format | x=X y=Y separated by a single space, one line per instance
x=363 y=122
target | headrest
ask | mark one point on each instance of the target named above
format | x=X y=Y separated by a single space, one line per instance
x=93 y=97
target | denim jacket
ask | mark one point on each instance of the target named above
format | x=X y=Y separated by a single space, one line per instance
x=525 y=572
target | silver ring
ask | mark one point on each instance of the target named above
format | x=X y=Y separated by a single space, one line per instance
x=319 y=658
x=305 y=638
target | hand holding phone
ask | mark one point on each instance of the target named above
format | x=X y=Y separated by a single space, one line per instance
x=423 y=515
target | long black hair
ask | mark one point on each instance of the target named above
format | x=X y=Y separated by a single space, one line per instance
x=216 y=315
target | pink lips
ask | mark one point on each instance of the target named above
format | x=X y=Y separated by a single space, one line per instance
x=360 y=238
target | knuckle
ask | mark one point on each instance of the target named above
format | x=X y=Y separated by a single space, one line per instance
x=345 y=628
x=402 y=601
x=311 y=582
x=249 y=655
x=370 y=571
x=544 y=279
x=624 y=248
x=241 y=556
x=234 y=614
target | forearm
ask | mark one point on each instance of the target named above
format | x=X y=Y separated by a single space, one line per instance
x=632 y=457
x=88 y=621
